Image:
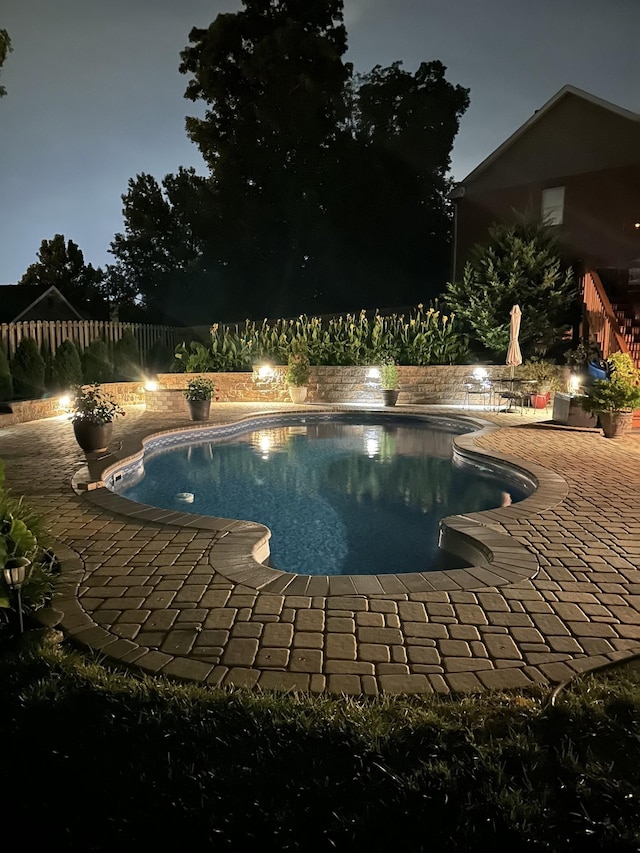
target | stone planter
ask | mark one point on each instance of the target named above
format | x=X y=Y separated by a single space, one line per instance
x=298 y=393
x=199 y=409
x=616 y=424
x=92 y=438
x=390 y=396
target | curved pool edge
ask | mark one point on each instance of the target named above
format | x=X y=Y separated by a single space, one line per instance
x=240 y=549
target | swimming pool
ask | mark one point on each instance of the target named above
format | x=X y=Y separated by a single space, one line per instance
x=341 y=494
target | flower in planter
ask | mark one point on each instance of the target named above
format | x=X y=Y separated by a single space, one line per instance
x=92 y=405
x=199 y=388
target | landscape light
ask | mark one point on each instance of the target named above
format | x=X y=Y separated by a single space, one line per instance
x=14 y=577
x=373 y=373
x=480 y=373
x=150 y=385
x=265 y=372
x=64 y=402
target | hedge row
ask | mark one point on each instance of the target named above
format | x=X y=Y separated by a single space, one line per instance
x=34 y=370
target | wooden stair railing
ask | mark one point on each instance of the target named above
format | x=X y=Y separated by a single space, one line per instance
x=604 y=326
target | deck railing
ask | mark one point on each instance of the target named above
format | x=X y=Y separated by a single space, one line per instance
x=600 y=318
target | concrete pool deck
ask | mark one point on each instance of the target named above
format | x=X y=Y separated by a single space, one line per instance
x=557 y=593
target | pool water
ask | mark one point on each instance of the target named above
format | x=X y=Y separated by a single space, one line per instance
x=340 y=496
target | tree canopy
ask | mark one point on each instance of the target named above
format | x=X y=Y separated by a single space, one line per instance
x=326 y=191
x=61 y=263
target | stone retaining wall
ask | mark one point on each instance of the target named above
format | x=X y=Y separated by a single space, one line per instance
x=23 y=411
x=438 y=384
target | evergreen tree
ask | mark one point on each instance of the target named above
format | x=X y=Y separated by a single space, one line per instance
x=127 y=357
x=6 y=382
x=520 y=264
x=96 y=364
x=66 y=369
x=27 y=369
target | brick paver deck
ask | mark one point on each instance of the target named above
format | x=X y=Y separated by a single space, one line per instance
x=558 y=593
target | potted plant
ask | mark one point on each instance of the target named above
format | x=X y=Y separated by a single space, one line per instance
x=615 y=399
x=297 y=376
x=198 y=394
x=93 y=414
x=389 y=382
x=545 y=376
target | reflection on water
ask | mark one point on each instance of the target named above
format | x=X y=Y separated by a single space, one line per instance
x=339 y=498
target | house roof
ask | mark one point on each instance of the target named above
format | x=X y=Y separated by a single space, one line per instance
x=565 y=92
x=18 y=300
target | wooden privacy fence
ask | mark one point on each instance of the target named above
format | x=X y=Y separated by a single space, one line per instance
x=82 y=332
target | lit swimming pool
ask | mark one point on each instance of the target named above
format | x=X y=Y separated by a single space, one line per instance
x=341 y=494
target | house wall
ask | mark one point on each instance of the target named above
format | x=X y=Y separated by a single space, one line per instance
x=600 y=210
x=592 y=151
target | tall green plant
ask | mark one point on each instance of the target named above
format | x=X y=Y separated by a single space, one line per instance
x=423 y=336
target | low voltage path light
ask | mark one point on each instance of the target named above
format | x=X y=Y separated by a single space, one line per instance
x=14 y=576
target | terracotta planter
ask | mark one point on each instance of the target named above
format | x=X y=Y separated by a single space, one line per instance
x=538 y=401
x=298 y=393
x=390 y=396
x=199 y=409
x=92 y=438
x=616 y=424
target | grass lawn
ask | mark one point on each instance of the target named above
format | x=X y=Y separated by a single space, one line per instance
x=95 y=759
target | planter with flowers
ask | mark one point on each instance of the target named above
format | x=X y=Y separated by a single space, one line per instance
x=198 y=394
x=615 y=399
x=297 y=376
x=93 y=414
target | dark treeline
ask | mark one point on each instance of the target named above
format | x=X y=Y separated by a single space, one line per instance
x=326 y=190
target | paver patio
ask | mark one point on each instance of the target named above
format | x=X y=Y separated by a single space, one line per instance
x=562 y=596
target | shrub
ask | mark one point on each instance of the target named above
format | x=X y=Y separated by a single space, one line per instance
x=159 y=357
x=27 y=369
x=127 y=356
x=520 y=264
x=96 y=366
x=47 y=357
x=66 y=369
x=199 y=389
x=298 y=370
x=6 y=382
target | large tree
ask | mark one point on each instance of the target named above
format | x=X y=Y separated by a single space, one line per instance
x=163 y=257
x=61 y=263
x=325 y=192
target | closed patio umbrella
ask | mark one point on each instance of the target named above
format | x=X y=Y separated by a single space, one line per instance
x=514 y=356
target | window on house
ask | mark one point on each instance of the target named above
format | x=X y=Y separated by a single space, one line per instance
x=553 y=205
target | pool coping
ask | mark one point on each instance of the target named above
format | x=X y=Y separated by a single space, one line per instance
x=240 y=548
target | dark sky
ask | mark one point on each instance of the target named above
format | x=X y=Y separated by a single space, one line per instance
x=95 y=97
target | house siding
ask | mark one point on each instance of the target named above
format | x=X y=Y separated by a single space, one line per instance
x=600 y=210
x=593 y=152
